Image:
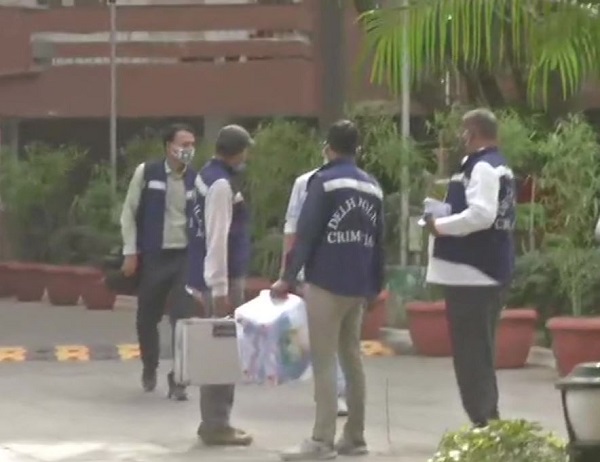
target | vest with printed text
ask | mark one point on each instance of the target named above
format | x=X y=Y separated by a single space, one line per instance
x=238 y=250
x=491 y=250
x=345 y=255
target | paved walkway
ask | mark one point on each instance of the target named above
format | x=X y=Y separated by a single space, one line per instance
x=95 y=411
x=84 y=412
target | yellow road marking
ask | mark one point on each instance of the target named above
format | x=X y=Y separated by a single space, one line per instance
x=128 y=351
x=72 y=353
x=16 y=354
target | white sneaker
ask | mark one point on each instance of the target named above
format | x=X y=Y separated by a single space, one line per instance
x=310 y=450
x=342 y=407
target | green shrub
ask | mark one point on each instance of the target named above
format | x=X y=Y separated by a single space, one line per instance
x=505 y=441
x=557 y=282
x=37 y=195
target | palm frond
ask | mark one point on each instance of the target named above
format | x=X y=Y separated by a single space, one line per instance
x=542 y=36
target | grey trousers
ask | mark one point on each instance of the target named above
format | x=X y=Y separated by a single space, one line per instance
x=334 y=324
x=161 y=275
x=473 y=313
x=216 y=401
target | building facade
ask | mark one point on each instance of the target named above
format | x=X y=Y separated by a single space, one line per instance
x=205 y=61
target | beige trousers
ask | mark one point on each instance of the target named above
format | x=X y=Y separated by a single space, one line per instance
x=334 y=323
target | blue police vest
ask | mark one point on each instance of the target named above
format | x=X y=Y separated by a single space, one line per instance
x=344 y=259
x=151 y=211
x=490 y=250
x=238 y=252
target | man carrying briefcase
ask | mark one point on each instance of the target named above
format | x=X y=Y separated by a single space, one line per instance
x=218 y=258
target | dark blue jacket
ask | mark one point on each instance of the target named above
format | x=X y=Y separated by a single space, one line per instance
x=339 y=236
x=151 y=210
x=238 y=251
x=490 y=250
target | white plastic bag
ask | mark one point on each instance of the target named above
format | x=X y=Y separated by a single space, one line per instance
x=273 y=339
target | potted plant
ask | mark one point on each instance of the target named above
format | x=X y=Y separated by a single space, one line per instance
x=6 y=284
x=515 y=337
x=429 y=332
x=28 y=280
x=35 y=188
x=95 y=294
x=506 y=441
x=375 y=318
x=570 y=182
x=575 y=337
x=428 y=327
x=74 y=249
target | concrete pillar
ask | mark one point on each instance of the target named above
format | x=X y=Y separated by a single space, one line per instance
x=9 y=135
x=212 y=125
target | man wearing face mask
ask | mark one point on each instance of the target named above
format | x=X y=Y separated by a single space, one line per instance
x=340 y=226
x=472 y=258
x=219 y=256
x=154 y=230
x=296 y=201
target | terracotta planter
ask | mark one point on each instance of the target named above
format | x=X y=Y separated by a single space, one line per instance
x=6 y=285
x=94 y=292
x=254 y=285
x=428 y=328
x=515 y=337
x=64 y=286
x=574 y=341
x=375 y=318
x=28 y=280
x=10 y=276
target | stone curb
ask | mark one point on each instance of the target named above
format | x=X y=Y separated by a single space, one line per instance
x=399 y=340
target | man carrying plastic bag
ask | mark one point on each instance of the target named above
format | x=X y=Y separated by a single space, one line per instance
x=296 y=201
x=339 y=242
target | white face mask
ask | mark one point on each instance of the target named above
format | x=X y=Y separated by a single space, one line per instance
x=185 y=155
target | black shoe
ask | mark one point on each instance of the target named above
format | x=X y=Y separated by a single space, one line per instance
x=176 y=392
x=149 y=380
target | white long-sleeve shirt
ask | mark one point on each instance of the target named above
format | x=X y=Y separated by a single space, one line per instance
x=481 y=193
x=297 y=198
x=174 y=230
x=218 y=213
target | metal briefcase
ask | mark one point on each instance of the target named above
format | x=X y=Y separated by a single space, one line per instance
x=206 y=352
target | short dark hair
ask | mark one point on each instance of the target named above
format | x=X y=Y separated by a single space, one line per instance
x=343 y=138
x=171 y=131
x=483 y=121
x=232 y=140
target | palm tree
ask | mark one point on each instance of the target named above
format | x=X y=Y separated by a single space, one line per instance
x=548 y=47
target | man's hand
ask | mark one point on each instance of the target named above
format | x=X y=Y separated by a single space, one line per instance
x=300 y=289
x=221 y=306
x=430 y=225
x=280 y=290
x=197 y=295
x=373 y=301
x=130 y=265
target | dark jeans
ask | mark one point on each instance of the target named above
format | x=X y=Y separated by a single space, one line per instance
x=473 y=313
x=162 y=274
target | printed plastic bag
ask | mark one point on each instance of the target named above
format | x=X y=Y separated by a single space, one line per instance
x=273 y=339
